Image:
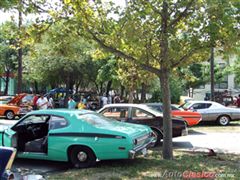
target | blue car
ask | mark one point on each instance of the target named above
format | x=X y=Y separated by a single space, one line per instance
x=7 y=156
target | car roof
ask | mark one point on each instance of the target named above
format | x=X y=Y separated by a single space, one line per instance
x=212 y=102
x=155 y=103
x=62 y=111
x=203 y=102
x=141 y=106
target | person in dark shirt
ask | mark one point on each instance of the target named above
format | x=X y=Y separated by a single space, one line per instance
x=238 y=101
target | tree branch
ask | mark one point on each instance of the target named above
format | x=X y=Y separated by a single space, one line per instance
x=185 y=57
x=155 y=9
x=150 y=69
x=110 y=48
x=182 y=14
x=122 y=54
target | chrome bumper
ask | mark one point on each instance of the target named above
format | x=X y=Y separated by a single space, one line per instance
x=141 y=149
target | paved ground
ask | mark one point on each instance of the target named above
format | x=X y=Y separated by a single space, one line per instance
x=223 y=142
x=197 y=140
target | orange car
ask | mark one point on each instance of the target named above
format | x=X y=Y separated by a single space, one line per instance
x=191 y=118
x=15 y=107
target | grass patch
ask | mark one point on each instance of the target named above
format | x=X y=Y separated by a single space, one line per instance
x=234 y=126
x=154 y=167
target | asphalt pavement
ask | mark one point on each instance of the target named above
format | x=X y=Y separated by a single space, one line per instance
x=224 y=142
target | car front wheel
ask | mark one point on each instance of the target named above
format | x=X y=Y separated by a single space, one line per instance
x=82 y=157
x=158 y=137
x=10 y=115
x=223 y=120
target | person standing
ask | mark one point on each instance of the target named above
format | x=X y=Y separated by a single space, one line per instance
x=116 y=99
x=104 y=100
x=34 y=101
x=238 y=101
x=42 y=102
x=71 y=103
x=50 y=102
x=81 y=105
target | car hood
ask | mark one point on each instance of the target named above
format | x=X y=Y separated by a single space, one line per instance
x=17 y=99
x=129 y=129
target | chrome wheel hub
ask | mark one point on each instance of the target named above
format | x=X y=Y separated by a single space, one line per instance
x=224 y=120
x=82 y=156
x=10 y=115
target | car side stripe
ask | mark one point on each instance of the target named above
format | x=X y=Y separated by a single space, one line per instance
x=88 y=135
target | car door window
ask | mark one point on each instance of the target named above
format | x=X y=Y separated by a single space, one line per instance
x=199 y=106
x=34 y=119
x=140 y=114
x=57 y=122
x=208 y=105
x=120 y=113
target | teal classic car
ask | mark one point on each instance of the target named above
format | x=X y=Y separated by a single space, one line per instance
x=80 y=137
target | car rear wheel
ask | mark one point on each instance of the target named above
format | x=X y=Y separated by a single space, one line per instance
x=82 y=157
x=10 y=115
x=158 y=136
x=223 y=120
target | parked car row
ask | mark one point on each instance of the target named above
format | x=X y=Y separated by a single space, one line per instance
x=117 y=131
x=82 y=137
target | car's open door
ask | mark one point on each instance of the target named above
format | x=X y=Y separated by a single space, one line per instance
x=9 y=138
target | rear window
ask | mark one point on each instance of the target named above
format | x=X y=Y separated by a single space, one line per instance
x=96 y=119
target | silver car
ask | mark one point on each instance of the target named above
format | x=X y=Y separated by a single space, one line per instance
x=213 y=111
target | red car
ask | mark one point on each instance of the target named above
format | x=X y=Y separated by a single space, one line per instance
x=191 y=118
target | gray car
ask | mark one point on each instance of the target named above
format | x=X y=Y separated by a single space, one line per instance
x=212 y=111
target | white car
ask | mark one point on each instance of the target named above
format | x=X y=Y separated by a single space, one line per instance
x=213 y=111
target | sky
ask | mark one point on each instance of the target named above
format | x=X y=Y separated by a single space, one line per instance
x=6 y=16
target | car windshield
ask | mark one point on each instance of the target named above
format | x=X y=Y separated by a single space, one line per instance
x=186 y=105
x=96 y=119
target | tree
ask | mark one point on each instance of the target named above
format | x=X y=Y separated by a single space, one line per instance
x=8 y=51
x=157 y=35
x=63 y=60
x=23 y=7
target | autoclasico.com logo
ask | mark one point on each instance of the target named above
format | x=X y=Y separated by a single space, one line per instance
x=195 y=174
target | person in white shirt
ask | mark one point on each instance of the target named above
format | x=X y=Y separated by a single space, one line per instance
x=42 y=102
x=104 y=100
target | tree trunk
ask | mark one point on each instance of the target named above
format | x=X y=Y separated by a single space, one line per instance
x=6 y=82
x=101 y=88
x=130 y=99
x=109 y=84
x=122 y=92
x=67 y=91
x=143 y=93
x=77 y=87
x=20 y=52
x=36 y=87
x=212 y=73
x=167 y=118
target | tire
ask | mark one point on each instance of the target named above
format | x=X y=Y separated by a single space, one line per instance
x=223 y=120
x=82 y=157
x=10 y=115
x=158 y=136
